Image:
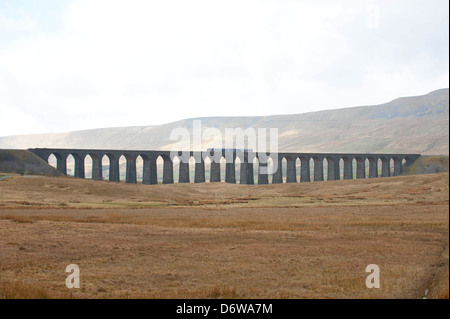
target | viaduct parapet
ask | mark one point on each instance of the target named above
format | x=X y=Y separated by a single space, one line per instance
x=311 y=166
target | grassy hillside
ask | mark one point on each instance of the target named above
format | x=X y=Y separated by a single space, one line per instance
x=22 y=161
x=428 y=165
x=417 y=124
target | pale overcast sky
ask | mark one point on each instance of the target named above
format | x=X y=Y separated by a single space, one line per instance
x=77 y=64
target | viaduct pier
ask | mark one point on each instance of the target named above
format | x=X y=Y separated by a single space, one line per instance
x=292 y=167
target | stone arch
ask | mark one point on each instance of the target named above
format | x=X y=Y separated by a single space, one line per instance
x=397 y=163
x=277 y=169
x=176 y=166
x=149 y=173
x=215 y=165
x=160 y=168
x=70 y=165
x=75 y=165
x=341 y=168
x=318 y=168
x=360 y=167
x=249 y=169
x=113 y=166
x=305 y=169
x=164 y=169
x=197 y=165
x=272 y=162
x=372 y=164
x=244 y=167
x=379 y=166
x=347 y=167
x=139 y=162
x=284 y=169
x=199 y=169
x=332 y=173
x=180 y=169
x=212 y=165
x=324 y=169
x=255 y=163
x=367 y=167
x=167 y=169
x=237 y=169
x=385 y=170
x=139 y=165
x=61 y=161
x=88 y=166
x=311 y=169
x=52 y=160
x=208 y=168
x=298 y=166
x=407 y=161
x=130 y=169
x=189 y=171
x=223 y=169
x=79 y=164
x=290 y=170
x=391 y=166
x=106 y=163
x=110 y=166
x=96 y=169
x=230 y=168
x=265 y=167
x=122 y=167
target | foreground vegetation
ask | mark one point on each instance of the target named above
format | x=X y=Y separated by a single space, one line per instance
x=310 y=240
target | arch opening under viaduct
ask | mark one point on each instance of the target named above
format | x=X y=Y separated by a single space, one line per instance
x=153 y=167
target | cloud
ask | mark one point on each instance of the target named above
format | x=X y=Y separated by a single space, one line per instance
x=22 y=23
x=15 y=121
x=113 y=63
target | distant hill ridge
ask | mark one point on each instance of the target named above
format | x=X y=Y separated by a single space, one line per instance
x=418 y=124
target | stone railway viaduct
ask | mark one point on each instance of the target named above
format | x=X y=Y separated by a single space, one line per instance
x=246 y=168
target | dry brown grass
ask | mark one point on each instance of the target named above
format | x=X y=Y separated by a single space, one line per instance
x=309 y=240
x=23 y=290
x=41 y=192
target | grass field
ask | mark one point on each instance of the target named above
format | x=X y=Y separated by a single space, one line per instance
x=427 y=165
x=309 y=240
